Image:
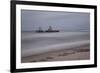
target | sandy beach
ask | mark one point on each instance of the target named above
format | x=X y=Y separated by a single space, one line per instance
x=61 y=46
x=78 y=53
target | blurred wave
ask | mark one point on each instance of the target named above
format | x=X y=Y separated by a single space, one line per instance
x=35 y=43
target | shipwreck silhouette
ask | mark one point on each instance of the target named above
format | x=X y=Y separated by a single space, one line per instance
x=50 y=29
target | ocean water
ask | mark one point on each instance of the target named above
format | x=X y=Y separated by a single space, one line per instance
x=35 y=43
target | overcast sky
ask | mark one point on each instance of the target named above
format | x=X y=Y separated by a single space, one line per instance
x=63 y=21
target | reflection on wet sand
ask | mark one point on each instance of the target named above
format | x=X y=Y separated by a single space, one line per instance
x=80 y=53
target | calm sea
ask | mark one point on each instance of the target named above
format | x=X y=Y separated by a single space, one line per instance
x=35 y=43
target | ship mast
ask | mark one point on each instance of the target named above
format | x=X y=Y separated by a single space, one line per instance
x=50 y=28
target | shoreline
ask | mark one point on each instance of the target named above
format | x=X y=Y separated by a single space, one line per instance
x=78 y=53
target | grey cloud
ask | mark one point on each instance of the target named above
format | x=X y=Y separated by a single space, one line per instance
x=64 y=21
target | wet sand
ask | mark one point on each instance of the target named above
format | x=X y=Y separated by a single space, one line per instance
x=77 y=53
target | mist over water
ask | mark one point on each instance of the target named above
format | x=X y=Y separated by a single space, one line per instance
x=36 y=43
x=74 y=30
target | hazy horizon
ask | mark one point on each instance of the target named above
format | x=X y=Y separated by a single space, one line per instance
x=31 y=20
